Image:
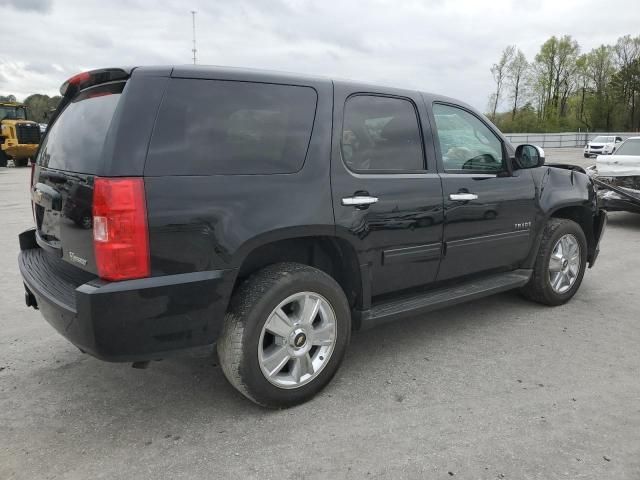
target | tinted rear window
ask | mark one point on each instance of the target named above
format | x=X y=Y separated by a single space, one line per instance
x=208 y=127
x=76 y=139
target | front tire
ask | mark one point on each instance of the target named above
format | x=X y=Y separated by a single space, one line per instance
x=560 y=264
x=3 y=158
x=285 y=334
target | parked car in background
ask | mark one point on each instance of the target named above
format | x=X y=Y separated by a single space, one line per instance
x=620 y=170
x=601 y=145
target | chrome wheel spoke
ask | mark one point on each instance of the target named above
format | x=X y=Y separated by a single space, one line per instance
x=557 y=281
x=302 y=366
x=279 y=323
x=275 y=360
x=555 y=264
x=323 y=335
x=310 y=308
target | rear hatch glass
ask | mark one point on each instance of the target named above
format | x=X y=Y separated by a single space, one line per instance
x=62 y=190
x=75 y=141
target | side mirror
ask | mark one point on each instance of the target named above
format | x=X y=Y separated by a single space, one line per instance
x=529 y=156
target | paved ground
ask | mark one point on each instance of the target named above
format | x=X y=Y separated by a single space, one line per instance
x=499 y=388
x=574 y=156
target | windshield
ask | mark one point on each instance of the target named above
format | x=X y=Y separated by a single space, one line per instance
x=603 y=140
x=13 y=113
x=630 y=147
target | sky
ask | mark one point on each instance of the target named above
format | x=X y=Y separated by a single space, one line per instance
x=439 y=46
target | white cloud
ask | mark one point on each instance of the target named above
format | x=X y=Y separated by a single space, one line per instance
x=433 y=45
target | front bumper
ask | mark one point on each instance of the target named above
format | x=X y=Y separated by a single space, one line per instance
x=595 y=153
x=599 y=226
x=614 y=202
x=21 y=151
x=125 y=321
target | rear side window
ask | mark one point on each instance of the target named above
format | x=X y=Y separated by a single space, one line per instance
x=209 y=127
x=76 y=139
x=381 y=134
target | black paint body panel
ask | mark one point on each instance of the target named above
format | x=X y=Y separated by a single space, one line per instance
x=202 y=228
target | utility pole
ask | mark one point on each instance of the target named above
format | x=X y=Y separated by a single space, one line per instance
x=194 y=50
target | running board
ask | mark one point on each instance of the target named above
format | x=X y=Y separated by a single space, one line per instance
x=443 y=297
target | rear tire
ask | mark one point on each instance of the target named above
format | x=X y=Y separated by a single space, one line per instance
x=279 y=370
x=560 y=264
x=3 y=158
x=23 y=162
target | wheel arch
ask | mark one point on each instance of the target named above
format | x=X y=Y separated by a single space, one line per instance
x=326 y=252
x=580 y=213
x=583 y=216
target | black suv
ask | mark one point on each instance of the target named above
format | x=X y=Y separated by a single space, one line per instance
x=271 y=214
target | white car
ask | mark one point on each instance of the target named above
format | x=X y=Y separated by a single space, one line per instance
x=620 y=170
x=602 y=145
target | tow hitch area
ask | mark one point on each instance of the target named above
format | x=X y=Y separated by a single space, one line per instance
x=30 y=299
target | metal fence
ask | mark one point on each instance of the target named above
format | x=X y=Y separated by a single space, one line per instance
x=559 y=140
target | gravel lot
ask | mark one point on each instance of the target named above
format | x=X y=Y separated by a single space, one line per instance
x=498 y=388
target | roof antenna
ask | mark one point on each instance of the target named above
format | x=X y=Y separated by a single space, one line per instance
x=194 y=50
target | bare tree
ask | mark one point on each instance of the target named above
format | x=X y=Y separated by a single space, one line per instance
x=499 y=72
x=516 y=70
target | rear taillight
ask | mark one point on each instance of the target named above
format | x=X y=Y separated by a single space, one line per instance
x=120 y=236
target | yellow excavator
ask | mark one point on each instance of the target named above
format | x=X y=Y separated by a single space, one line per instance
x=19 y=137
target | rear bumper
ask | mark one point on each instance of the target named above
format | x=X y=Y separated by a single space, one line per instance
x=132 y=320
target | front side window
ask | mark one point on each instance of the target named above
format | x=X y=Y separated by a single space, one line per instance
x=466 y=143
x=381 y=134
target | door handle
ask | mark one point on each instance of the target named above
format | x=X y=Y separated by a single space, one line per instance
x=463 y=196
x=359 y=201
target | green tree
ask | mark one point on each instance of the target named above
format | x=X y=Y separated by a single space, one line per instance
x=563 y=90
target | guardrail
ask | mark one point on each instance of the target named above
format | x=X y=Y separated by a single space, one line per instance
x=560 y=140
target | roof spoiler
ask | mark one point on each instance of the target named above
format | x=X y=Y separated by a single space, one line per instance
x=92 y=77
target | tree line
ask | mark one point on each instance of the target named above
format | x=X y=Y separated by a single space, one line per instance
x=562 y=89
x=39 y=106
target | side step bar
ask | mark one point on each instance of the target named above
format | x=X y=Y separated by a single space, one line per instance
x=444 y=297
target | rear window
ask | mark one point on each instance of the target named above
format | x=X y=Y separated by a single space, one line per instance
x=76 y=139
x=208 y=127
